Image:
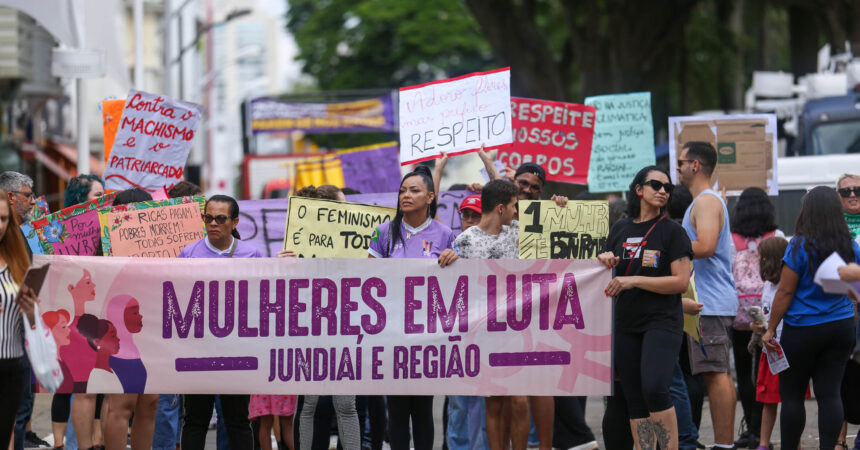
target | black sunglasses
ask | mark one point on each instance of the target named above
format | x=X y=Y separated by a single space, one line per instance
x=656 y=185
x=846 y=192
x=220 y=220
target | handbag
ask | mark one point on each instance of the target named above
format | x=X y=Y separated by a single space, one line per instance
x=42 y=351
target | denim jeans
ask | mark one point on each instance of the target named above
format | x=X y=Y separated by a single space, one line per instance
x=687 y=432
x=25 y=410
x=466 y=423
x=167 y=422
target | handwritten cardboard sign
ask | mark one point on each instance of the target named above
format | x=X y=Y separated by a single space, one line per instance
x=623 y=140
x=328 y=229
x=70 y=231
x=152 y=142
x=156 y=228
x=555 y=135
x=745 y=144
x=577 y=231
x=455 y=116
x=337 y=327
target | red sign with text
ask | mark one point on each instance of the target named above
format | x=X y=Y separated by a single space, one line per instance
x=555 y=135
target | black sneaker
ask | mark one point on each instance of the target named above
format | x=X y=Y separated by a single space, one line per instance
x=700 y=445
x=31 y=440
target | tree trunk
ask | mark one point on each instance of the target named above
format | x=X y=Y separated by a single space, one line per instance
x=803 y=40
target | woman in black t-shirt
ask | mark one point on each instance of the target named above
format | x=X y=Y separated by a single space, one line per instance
x=652 y=260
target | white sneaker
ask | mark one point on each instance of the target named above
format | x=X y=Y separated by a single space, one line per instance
x=587 y=446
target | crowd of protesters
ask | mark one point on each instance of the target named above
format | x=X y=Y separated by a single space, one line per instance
x=676 y=250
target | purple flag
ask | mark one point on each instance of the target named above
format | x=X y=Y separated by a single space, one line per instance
x=372 y=171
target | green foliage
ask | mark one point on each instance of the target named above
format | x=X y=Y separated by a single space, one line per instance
x=385 y=43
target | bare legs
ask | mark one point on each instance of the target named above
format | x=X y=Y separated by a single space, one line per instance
x=661 y=428
x=722 y=395
x=508 y=421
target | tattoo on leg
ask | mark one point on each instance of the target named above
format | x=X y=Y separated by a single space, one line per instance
x=645 y=435
x=661 y=433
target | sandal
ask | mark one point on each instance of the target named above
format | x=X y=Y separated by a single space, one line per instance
x=842 y=444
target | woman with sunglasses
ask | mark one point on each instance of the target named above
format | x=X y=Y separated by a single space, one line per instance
x=652 y=260
x=848 y=187
x=413 y=234
x=221 y=216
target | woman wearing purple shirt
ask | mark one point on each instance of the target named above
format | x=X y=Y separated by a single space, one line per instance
x=222 y=241
x=413 y=234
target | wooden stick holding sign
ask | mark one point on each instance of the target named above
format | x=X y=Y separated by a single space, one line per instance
x=577 y=231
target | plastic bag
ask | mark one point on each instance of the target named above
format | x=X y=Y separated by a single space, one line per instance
x=42 y=350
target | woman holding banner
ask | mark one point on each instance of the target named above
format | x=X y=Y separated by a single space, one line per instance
x=413 y=234
x=652 y=260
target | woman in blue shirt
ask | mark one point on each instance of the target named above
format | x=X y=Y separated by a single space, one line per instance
x=818 y=331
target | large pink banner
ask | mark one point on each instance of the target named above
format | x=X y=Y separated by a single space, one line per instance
x=331 y=326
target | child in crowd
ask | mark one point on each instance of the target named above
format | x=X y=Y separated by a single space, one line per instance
x=771 y=251
x=268 y=408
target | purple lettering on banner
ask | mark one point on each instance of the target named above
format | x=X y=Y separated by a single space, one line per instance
x=318 y=311
x=410 y=305
x=400 y=362
x=172 y=314
x=569 y=296
x=296 y=307
x=347 y=306
x=372 y=171
x=431 y=365
x=285 y=375
x=455 y=364
x=303 y=364
x=473 y=360
x=229 y=309
x=414 y=361
x=216 y=364
x=459 y=309
x=372 y=303
x=278 y=308
x=492 y=318
x=344 y=370
x=525 y=320
x=375 y=362
x=244 y=329
x=320 y=364
x=529 y=359
x=543 y=280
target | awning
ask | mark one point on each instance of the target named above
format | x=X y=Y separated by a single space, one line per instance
x=46 y=160
x=71 y=153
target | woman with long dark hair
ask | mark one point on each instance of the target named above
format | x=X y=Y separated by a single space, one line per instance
x=413 y=234
x=651 y=255
x=753 y=220
x=83 y=188
x=818 y=328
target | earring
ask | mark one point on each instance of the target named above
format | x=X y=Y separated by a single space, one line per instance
x=640 y=195
x=98 y=347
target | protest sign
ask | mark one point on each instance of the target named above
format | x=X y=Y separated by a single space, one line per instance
x=155 y=228
x=319 y=228
x=267 y=115
x=111 y=115
x=555 y=135
x=623 y=140
x=331 y=326
x=577 y=231
x=40 y=209
x=746 y=149
x=70 y=231
x=371 y=169
x=152 y=142
x=455 y=116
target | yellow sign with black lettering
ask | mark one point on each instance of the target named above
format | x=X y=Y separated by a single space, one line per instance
x=577 y=231
x=318 y=228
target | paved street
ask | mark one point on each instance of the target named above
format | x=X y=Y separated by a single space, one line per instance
x=594 y=414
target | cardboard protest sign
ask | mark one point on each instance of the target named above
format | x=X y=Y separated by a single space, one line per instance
x=152 y=142
x=111 y=116
x=267 y=115
x=319 y=228
x=371 y=169
x=156 y=228
x=746 y=149
x=332 y=326
x=70 y=231
x=455 y=116
x=623 y=140
x=555 y=135
x=577 y=231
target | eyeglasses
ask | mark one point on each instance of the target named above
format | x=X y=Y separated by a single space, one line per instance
x=30 y=194
x=846 y=192
x=682 y=161
x=220 y=220
x=470 y=215
x=523 y=184
x=656 y=185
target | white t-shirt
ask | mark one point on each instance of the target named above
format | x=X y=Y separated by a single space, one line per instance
x=768 y=292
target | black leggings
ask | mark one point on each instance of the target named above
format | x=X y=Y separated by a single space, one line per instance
x=12 y=379
x=744 y=367
x=61 y=406
x=819 y=352
x=420 y=409
x=645 y=362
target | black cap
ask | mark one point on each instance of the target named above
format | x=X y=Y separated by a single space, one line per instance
x=532 y=168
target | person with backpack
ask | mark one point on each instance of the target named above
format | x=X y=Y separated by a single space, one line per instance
x=753 y=220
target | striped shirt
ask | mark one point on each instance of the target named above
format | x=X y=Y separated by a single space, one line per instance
x=11 y=338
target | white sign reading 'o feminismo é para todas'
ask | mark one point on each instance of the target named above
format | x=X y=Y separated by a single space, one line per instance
x=152 y=142
x=455 y=116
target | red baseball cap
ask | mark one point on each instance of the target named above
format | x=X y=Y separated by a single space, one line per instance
x=472 y=202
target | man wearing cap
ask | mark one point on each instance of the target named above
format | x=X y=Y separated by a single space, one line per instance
x=470 y=211
x=530 y=178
